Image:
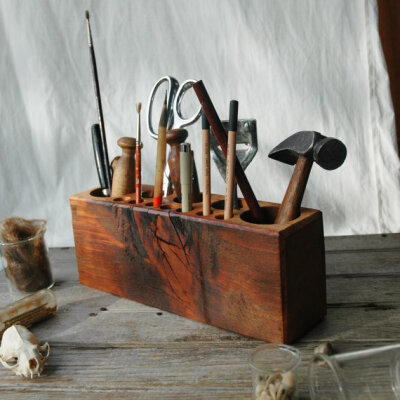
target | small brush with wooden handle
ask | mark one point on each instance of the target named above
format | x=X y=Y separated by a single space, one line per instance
x=138 y=161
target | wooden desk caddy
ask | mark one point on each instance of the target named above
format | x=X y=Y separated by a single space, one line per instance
x=263 y=281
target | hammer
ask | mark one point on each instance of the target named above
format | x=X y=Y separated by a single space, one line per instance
x=302 y=149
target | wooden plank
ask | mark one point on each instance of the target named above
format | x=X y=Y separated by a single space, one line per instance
x=353 y=307
x=362 y=242
x=178 y=372
x=83 y=311
x=364 y=262
x=104 y=347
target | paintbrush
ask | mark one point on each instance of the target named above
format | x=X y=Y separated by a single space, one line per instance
x=106 y=164
x=161 y=155
x=138 y=166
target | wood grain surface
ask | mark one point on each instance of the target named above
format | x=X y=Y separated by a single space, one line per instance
x=256 y=280
x=104 y=347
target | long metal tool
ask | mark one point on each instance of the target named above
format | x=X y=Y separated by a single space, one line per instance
x=220 y=134
x=106 y=164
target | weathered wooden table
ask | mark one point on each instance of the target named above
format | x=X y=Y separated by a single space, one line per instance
x=104 y=347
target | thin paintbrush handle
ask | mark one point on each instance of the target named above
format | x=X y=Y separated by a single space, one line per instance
x=138 y=175
x=138 y=159
x=161 y=156
x=206 y=165
x=99 y=107
x=220 y=135
x=230 y=159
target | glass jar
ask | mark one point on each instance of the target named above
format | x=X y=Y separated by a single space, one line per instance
x=26 y=262
x=358 y=375
x=274 y=371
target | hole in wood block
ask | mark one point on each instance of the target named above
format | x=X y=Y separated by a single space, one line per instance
x=166 y=207
x=150 y=204
x=200 y=214
x=134 y=202
x=220 y=204
x=269 y=215
x=148 y=194
x=219 y=216
x=98 y=193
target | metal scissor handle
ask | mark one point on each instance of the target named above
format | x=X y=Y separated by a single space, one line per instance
x=179 y=120
x=172 y=88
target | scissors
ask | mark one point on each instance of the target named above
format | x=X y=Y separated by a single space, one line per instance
x=175 y=95
x=176 y=120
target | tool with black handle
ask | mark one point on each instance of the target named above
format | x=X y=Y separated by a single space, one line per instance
x=99 y=158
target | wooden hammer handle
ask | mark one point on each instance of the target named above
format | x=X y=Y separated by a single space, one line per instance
x=221 y=137
x=290 y=207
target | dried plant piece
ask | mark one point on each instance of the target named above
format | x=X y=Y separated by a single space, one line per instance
x=21 y=352
x=276 y=387
x=15 y=229
x=324 y=348
x=28 y=266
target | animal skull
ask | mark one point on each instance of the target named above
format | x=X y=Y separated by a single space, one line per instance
x=20 y=352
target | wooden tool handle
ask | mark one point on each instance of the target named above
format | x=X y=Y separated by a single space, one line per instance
x=160 y=165
x=230 y=179
x=186 y=163
x=123 y=181
x=206 y=172
x=220 y=135
x=138 y=175
x=161 y=155
x=290 y=207
x=174 y=138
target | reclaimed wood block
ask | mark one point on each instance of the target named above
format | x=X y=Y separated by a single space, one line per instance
x=265 y=281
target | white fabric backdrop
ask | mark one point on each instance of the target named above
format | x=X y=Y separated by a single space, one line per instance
x=293 y=65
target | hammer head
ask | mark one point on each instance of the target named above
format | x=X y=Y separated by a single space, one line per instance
x=327 y=152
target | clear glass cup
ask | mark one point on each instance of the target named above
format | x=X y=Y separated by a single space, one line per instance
x=274 y=371
x=364 y=374
x=26 y=262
